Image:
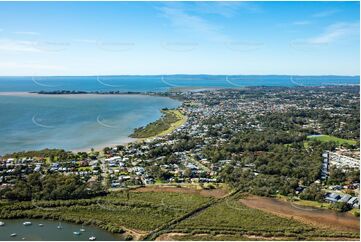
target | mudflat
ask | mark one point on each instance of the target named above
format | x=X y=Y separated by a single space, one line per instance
x=315 y=216
x=216 y=193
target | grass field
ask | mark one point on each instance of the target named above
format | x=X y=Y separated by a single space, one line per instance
x=232 y=219
x=181 y=120
x=315 y=204
x=309 y=203
x=329 y=138
x=171 y=120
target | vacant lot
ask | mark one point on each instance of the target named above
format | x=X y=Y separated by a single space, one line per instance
x=329 y=138
x=216 y=193
x=317 y=217
x=170 y=120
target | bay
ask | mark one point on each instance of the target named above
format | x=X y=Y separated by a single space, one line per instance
x=75 y=122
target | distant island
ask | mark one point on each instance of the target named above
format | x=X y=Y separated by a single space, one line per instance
x=60 y=92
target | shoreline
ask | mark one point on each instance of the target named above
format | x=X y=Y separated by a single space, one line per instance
x=100 y=147
x=80 y=95
x=130 y=140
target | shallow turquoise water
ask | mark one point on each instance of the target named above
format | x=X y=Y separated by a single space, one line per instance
x=74 y=122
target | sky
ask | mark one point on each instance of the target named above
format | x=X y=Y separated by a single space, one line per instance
x=151 y=38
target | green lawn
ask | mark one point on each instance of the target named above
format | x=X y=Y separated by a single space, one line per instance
x=315 y=204
x=329 y=138
x=170 y=120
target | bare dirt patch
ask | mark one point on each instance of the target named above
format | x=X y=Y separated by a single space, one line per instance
x=168 y=236
x=318 y=217
x=216 y=193
x=198 y=237
x=136 y=234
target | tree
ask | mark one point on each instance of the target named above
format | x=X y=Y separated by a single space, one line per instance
x=340 y=206
x=313 y=192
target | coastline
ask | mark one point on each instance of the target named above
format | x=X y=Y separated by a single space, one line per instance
x=100 y=147
x=129 y=140
x=173 y=126
x=75 y=95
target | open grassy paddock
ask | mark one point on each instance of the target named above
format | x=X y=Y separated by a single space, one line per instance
x=171 y=120
x=329 y=138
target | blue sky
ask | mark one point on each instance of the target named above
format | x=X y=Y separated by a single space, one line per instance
x=92 y=38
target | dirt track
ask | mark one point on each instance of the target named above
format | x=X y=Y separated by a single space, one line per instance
x=317 y=217
x=216 y=193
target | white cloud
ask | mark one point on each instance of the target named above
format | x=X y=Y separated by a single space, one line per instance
x=303 y=22
x=335 y=32
x=181 y=19
x=26 y=33
x=30 y=66
x=85 y=41
x=225 y=9
x=325 y=13
x=18 y=45
x=13 y=45
x=189 y=16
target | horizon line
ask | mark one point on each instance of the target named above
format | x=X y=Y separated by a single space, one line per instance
x=183 y=74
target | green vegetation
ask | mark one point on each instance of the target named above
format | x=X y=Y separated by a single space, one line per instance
x=51 y=187
x=313 y=192
x=340 y=206
x=280 y=168
x=209 y=237
x=229 y=217
x=52 y=155
x=330 y=138
x=309 y=203
x=42 y=154
x=170 y=120
x=339 y=176
x=116 y=212
x=355 y=212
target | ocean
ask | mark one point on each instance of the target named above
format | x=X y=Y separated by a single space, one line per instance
x=163 y=83
x=81 y=122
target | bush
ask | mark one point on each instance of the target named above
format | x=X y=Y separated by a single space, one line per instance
x=340 y=206
x=128 y=237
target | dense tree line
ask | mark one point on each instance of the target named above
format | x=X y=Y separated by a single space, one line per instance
x=51 y=187
x=59 y=153
x=269 y=162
